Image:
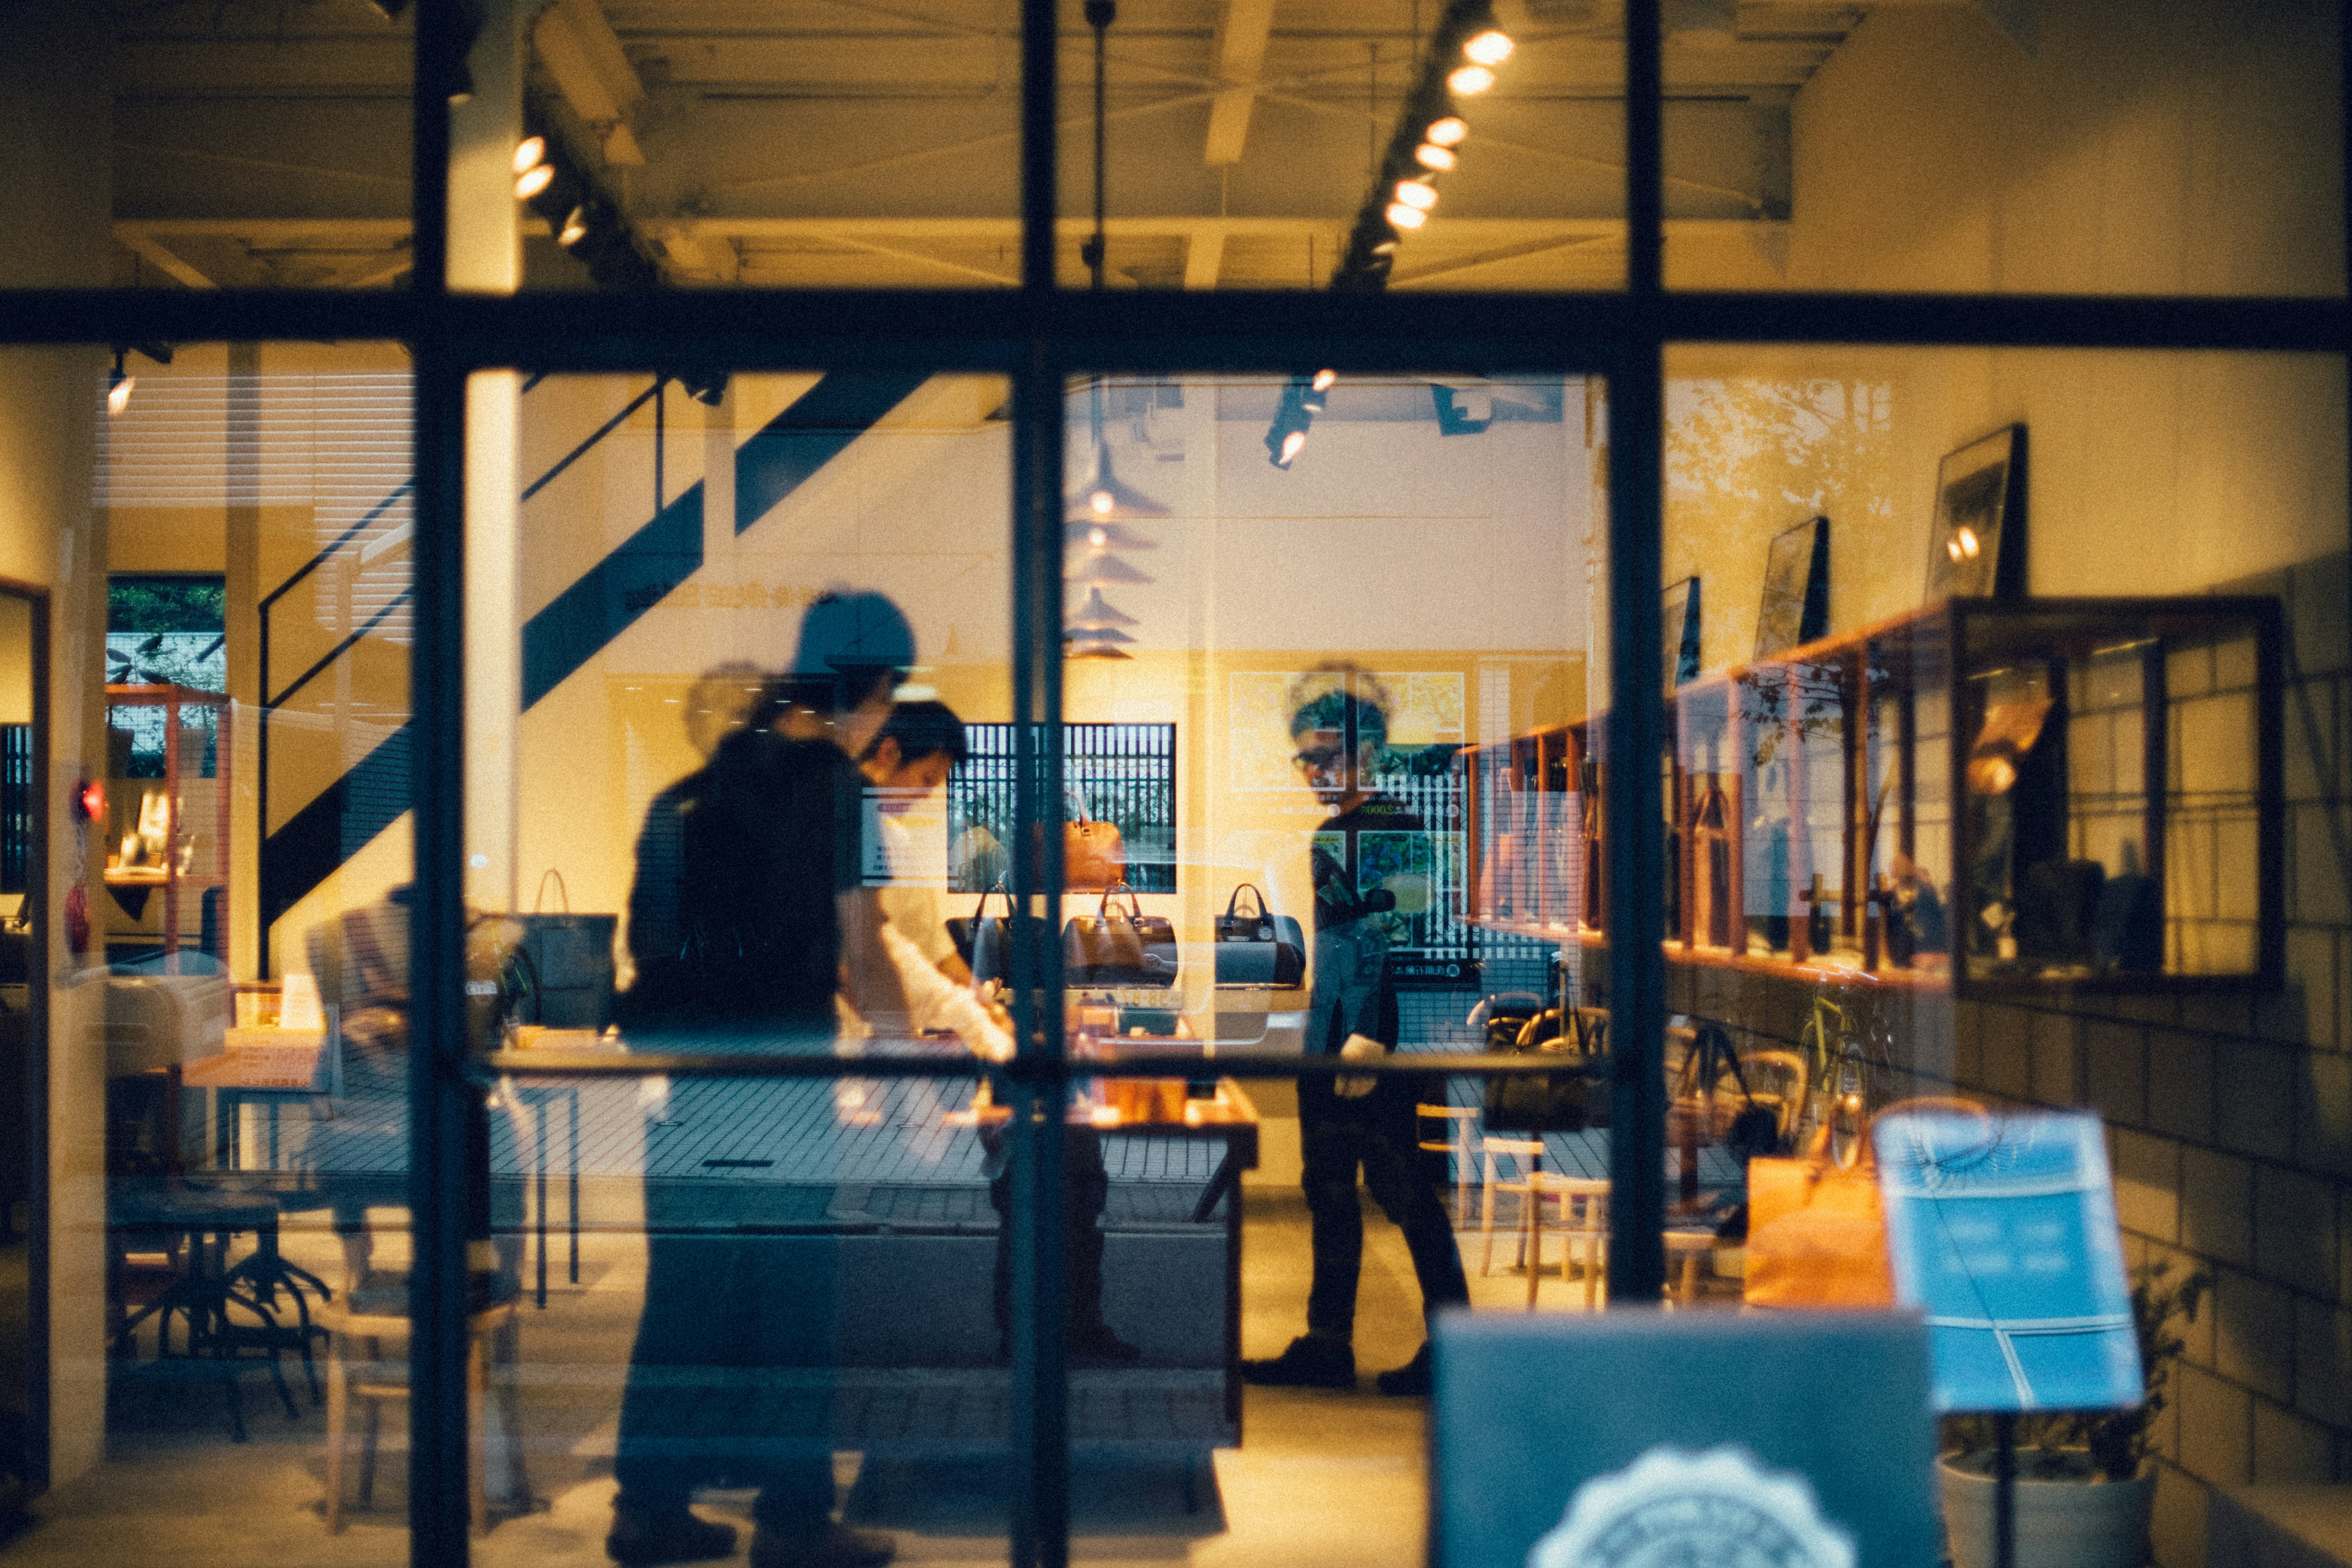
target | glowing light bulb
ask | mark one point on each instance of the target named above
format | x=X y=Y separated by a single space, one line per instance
x=1448 y=131
x=1292 y=443
x=118 y=396
x=1102 y=502
x=1471 y=81
x=534 y=180
x=1324 y=378
x=1952 y=548
x=1413 y=193
x=1967 y=540
x=1098 y=537
x=1429 y=155
x=576 y=228
x=1488 y=48
x=1404 y=217
x=529 y=153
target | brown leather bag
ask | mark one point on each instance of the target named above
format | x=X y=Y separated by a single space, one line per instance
x=1093 y=857
x=1817 y=1231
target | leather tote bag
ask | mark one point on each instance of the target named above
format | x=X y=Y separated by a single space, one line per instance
x=1258 y=948
x=570 y=958
x=1093 y=854
x=984 y=940
x=1118 y=946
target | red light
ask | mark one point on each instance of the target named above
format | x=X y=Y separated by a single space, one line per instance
x=93 y=800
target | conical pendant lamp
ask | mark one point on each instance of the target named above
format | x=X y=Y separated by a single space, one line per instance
x=1103 y=533
x=1104 y=497
x=1099 y=614
x=1095 y=567
x=1091 y=648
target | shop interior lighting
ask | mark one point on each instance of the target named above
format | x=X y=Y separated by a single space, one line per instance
x=1433 y=157
x=118 y=387
x=1491 y=48
x=575 y=229
x=1404 y=217
x=1104 y=533
x=1416 y=193
x=1099 y=615
x=1471 y=81
x=533 y=180
x=1097 y=567
x=529 y=154
x=1323 y=379
x=1448 y=131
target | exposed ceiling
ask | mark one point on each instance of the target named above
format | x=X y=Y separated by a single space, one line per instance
x=832 y=143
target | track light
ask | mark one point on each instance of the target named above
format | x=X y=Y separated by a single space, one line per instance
x=1404 y=217
x=1286 y=437
x=1491 y=48
x=1291 y=445
x=528 y=153
x=118 y=387
x=1414 y=194
x=575 y=229
x=1323 y=379
x=1471 y=81
x=534 y=180
x=1430 y=156
x=1448 y=131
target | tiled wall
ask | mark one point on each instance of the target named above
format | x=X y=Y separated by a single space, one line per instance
x=2230 y=1122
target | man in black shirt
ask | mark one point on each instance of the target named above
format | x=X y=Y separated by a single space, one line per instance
x=762 y=919
x=1341 y=726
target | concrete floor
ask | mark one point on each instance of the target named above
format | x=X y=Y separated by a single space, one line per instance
x=1322 y=1477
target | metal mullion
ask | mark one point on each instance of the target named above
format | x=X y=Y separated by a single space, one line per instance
x=438 y=1511
x=1151 y=331
x=1635 y=847
x=1040 y=1393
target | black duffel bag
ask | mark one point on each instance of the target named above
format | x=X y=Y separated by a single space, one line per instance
x=1260 y=948
x=1568 y=1101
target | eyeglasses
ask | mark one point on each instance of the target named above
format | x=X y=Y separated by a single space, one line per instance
x=1320 y=756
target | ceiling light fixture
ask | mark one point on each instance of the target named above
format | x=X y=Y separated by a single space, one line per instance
x=1491 y=48
x=576 y=228
x=118 y=387
x=1471 y=81
x=1098 y=613
x=528 y=153
x=1104 y=533
x=1323 y=379
x=534 y=180
x=1429 y=155
x=1404 y=217
x=1414 y=194
x=1448 y=131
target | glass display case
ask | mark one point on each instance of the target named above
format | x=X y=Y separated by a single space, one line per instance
x=2114 y=762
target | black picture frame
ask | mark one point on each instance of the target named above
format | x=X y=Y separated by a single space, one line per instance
x=1679 y=652
x=1795 y=609
x=1976 y=550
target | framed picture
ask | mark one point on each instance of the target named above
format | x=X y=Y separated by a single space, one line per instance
x=1977 y=548
x=1796 y=607
x=1680 y=624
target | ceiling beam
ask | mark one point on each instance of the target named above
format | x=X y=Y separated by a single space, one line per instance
x=152 y=250
x=1242 y=33
x=580 y=50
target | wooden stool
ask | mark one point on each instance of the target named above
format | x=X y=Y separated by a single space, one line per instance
x=491 y=1336
x=1689 y=1246
x=1455 y=1144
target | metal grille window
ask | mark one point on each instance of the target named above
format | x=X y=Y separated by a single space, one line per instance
x=1124 y=774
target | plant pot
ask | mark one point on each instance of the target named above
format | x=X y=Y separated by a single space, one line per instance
x=2079 y=1520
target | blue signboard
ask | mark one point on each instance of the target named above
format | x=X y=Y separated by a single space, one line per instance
x=2001 y=1229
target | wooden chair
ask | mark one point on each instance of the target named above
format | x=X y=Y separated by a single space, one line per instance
x=375 y=1310
x=1458 y=1120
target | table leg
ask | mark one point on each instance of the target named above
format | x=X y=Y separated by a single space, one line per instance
x=539 y=1107
x=573 y=1212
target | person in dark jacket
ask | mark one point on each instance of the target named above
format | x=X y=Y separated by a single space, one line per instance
x=1340 y=727
x=754 y=916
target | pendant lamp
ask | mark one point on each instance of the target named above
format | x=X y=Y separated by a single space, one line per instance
x=1096 y=568
x=1103 y=533
x=1104 y=496
x=1099 y=614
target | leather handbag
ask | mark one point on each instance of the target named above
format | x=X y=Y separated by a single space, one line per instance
x=1568 y=1101
x=1093 y=854
x=1817 y=1230
x=1118 y=946
x=571 y=959
x=1701 y=1113
x=985 y=941
x=1258 y=948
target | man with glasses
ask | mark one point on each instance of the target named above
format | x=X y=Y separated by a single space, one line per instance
x=1339 y=723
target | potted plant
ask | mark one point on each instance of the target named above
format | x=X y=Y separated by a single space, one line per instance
x=2084 y=1487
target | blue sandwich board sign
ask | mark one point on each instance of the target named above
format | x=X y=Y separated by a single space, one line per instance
x=2003 y=1232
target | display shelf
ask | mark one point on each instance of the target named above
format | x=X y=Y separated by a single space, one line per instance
x=1985 y=796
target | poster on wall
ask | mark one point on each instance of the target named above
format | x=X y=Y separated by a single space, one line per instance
x=1796 y=607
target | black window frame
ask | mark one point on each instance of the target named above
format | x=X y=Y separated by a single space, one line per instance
x=1038 y=336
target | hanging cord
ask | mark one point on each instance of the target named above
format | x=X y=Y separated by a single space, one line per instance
x=1100 y=14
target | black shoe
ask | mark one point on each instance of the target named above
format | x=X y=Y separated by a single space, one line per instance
x=833 y=1546
x=1100 y=1346
x=641 y=1540
x=1310 y=1362
x=1409 y=1381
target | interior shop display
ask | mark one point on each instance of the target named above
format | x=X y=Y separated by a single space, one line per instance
x=1796 y=605
x=1092 y=852
x=1119 y=944
x=167 y=829
x=1977 y=547
x=1256 y=946
x=570 y=958
x=1985 y=794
